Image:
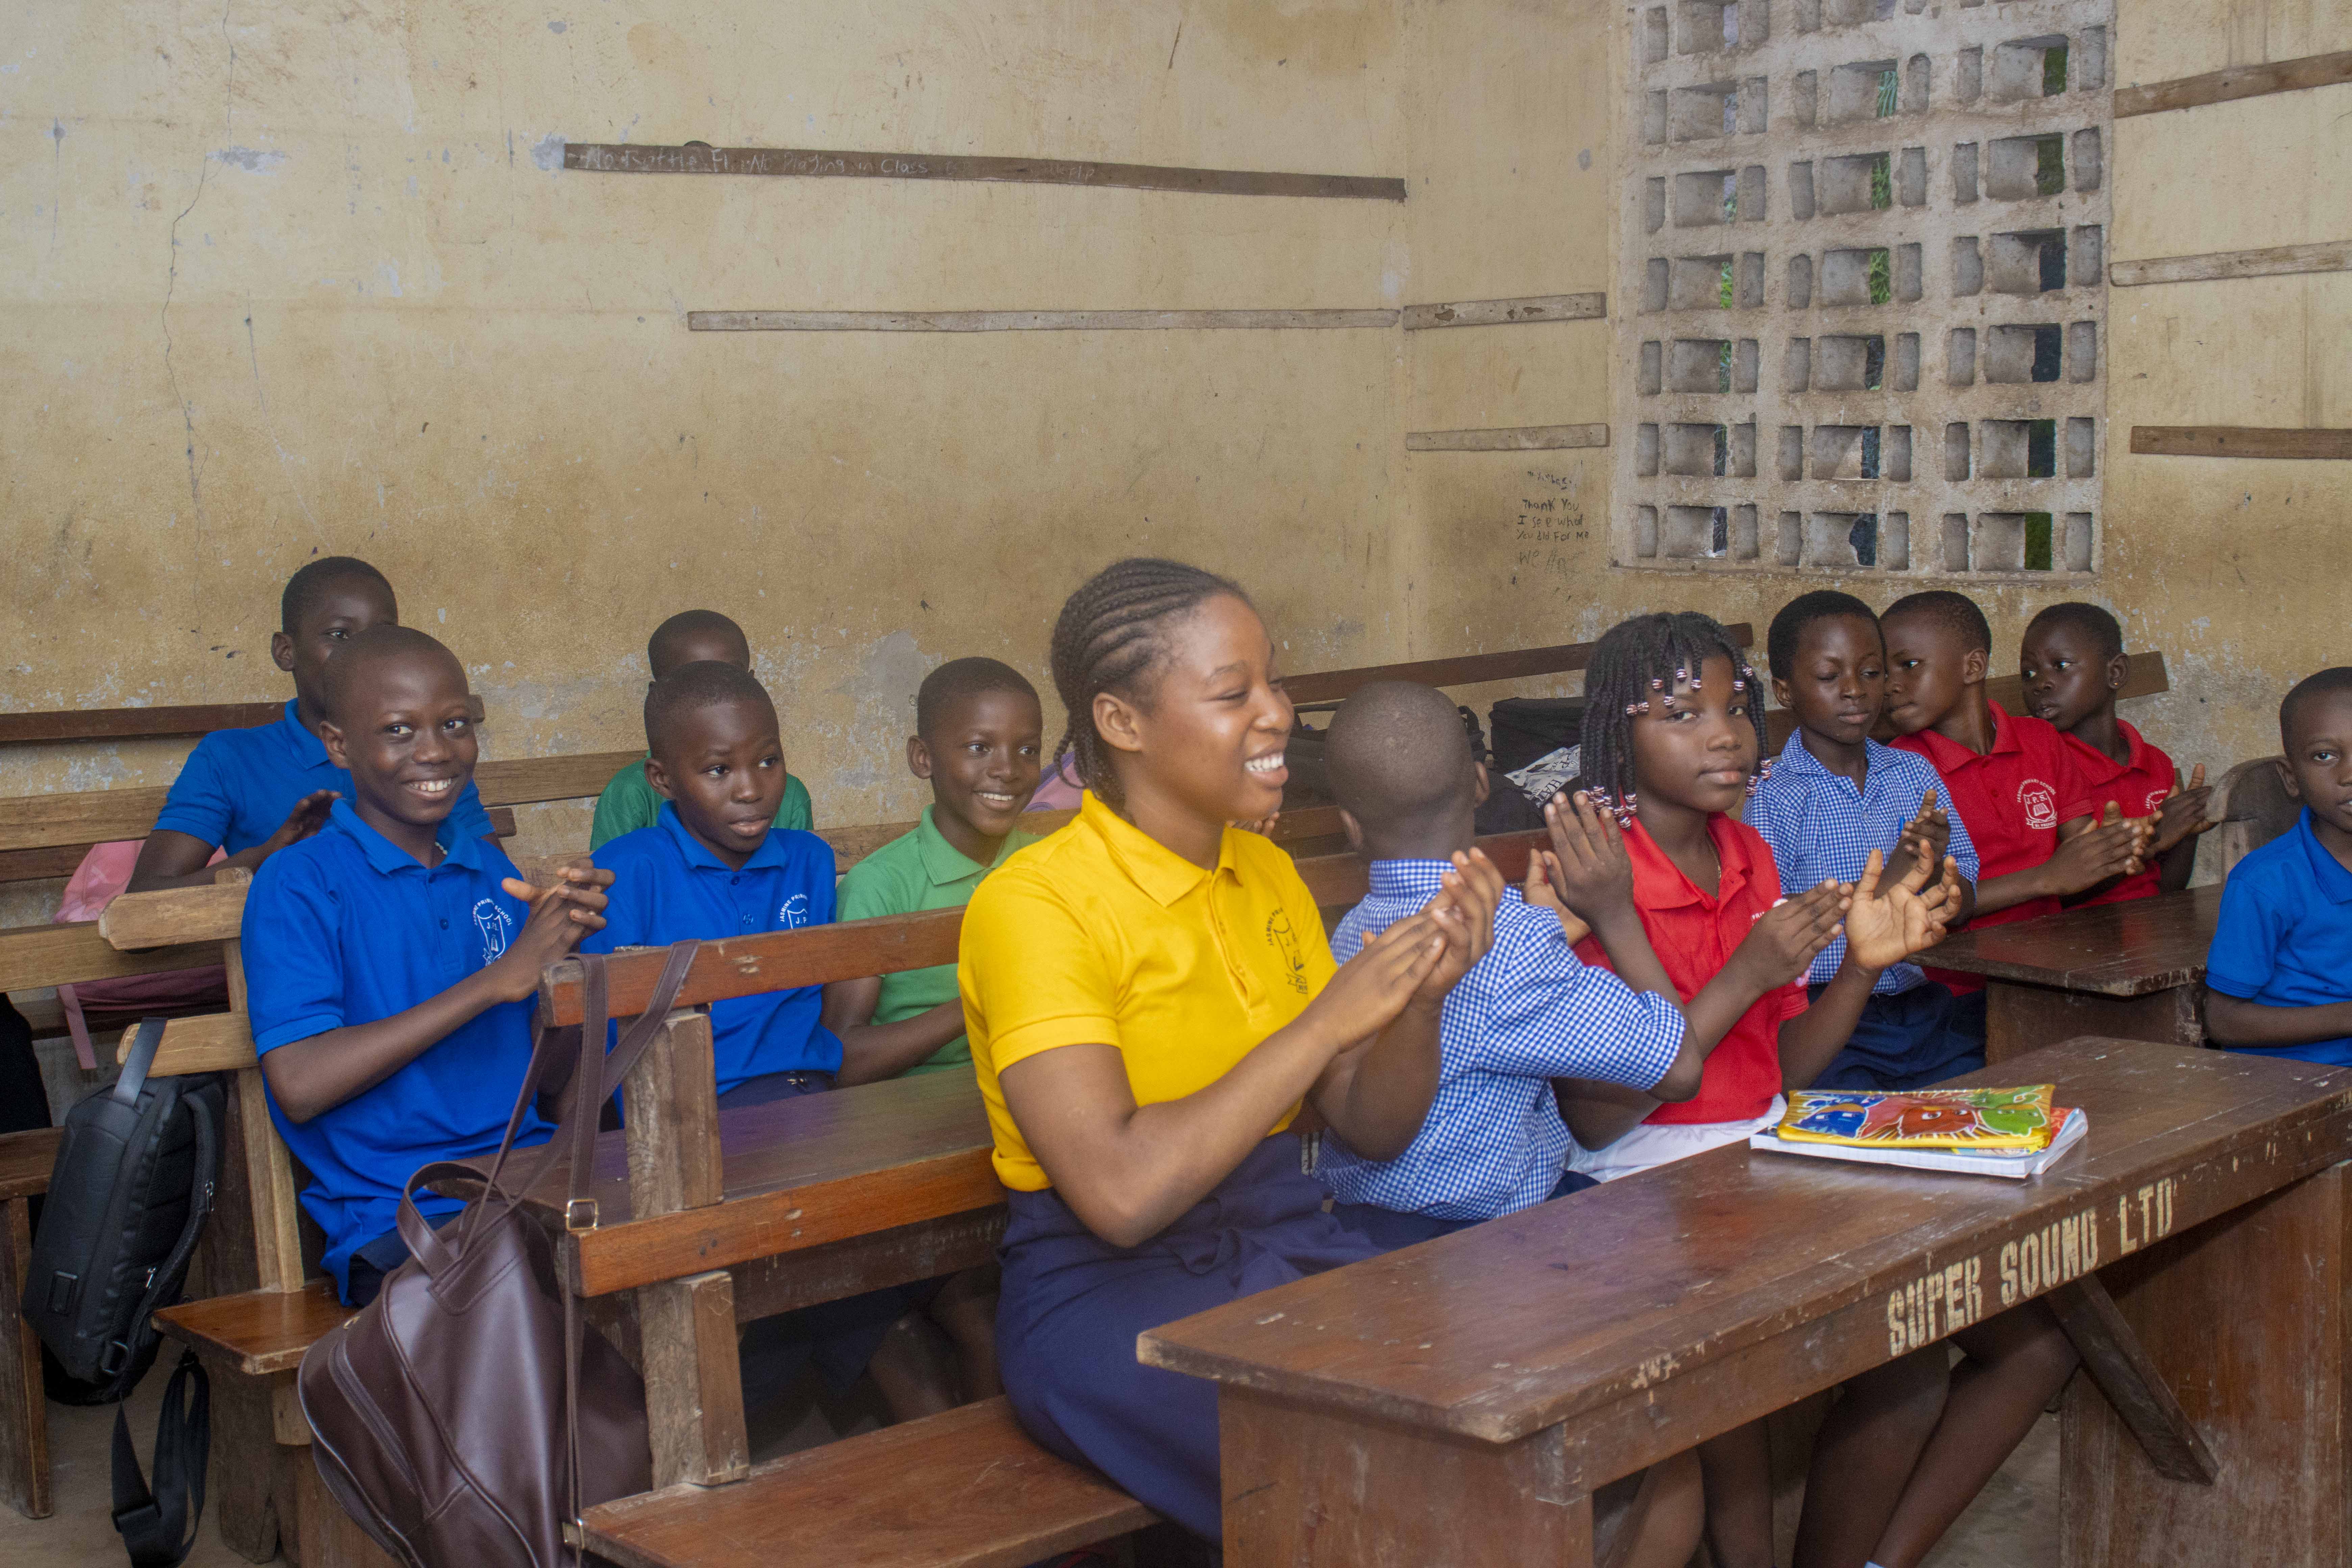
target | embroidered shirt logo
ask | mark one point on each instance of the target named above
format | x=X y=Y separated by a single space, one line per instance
x=795 y=912
x=491 y=924
x=2040 y=802
x=1285 y=941
x=2156 y=799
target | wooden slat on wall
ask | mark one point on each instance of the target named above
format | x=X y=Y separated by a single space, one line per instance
x=2236 y=82
x=1516 y=438
x=1029 y=320
x=805 y=162
x=1508 y=312
x=2333 y=256
x=2238 y=441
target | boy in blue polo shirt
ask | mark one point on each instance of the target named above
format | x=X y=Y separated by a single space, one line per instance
x=1832 y=796
x=713 y=865
x=391 y=958
x=2278 y=981
x=254 y=792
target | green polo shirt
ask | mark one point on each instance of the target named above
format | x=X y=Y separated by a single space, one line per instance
x=630 y=802
x=914 y=872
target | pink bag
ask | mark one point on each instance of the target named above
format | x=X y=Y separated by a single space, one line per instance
x=104 y=872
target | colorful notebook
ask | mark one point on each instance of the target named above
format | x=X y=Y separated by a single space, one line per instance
x=2015 y=1163
x=1973 y=1118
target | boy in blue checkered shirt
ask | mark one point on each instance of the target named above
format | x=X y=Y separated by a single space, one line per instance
x=1834 y=796
x=1527 y=1012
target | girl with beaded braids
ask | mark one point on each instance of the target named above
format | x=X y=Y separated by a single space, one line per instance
x=1674 y=726
x=1151 y=1001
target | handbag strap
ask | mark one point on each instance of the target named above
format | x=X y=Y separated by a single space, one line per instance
x=159 y=1528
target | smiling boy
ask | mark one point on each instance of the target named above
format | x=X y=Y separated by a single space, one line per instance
x=979 y=736
x=2072 y=663
x=2278 y=981
x=391 y=958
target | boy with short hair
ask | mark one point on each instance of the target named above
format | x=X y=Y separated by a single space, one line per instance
x=979 y=736
x=714 y=865
x=2072 y=662
x=1836 y=794
x=2012 y=777
x=391 y=958
x=690 y=637
x=2278 y=981
x=254 y=792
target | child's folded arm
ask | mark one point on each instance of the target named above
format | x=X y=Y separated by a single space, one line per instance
x=1598 y=1113
x=1558 y=1019
x=871 y=1052
x=2241 y=1021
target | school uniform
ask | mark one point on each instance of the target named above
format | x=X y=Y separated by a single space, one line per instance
x=237 y=786
x=2013 y=797
x=630 y=802
x=667 y=886
x=1100 y=935
x=2137 y=785
x=1528 y=1012
x=1694 y=934
x=1822 y=828
x=347 y=927
x=918 y=871
x=2285 y=935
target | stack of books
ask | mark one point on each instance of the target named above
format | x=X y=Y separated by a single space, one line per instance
x=2014 y=1133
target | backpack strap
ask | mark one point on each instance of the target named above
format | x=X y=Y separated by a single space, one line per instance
x=159 y=1528
x=142 y=1056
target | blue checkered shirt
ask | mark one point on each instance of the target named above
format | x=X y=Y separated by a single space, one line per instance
x=1529 y=1011
x=1821 y=829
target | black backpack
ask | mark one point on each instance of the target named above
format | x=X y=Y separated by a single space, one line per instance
x=132 y=1185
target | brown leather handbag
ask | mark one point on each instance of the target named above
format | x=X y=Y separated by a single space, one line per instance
x=463 y=1418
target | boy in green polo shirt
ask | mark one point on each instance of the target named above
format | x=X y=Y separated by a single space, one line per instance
x=687 y=638
x=979 y=736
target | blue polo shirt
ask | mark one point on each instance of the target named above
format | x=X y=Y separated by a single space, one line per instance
x=347 y=927
x=668 y=886
x=1821 y=829
x=237 y=785
x=2285 y=935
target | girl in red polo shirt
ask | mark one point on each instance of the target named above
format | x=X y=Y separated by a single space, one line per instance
x=1674 y=727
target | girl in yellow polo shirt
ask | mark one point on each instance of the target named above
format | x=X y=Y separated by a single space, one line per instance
x=1151 y=998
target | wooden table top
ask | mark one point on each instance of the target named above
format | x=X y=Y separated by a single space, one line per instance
x=2113 y=950
x=1591 y=1307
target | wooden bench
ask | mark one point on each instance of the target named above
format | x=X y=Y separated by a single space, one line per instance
x=2133 y=971
x=2146 y=678
x=1460 y=1401
x=25 y=1160
x=2251 y=807
x=1328 y=689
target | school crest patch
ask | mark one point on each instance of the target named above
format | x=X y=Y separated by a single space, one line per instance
x=490 y=923
x=795 y=913
x=2039 y=802
x=1285 y=941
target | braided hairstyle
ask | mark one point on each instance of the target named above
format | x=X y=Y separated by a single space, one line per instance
x=1109 y=637
x=1637 y=660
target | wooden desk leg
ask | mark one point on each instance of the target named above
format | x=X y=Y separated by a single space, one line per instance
x=2246 y=1320
x=2020 y=1018
x=24 y=1410
x=1311 y=1488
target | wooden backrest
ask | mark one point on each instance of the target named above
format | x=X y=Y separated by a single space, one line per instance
x=2147 y=678
x=1470 y=669
x=2252 y=806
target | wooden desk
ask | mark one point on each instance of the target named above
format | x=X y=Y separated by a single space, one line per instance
x=1458 y=1402
x=2132 y=971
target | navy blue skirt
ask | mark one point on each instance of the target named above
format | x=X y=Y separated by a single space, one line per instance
x=1912 y=1039
x=1073 y=1305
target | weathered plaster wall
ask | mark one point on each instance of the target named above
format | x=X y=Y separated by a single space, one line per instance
x=304 y=278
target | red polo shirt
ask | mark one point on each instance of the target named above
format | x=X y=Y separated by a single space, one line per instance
x=2137 y=785
x=1693 y=935
x=2012 y=798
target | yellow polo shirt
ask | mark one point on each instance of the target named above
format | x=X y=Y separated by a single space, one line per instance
x=1100 y=935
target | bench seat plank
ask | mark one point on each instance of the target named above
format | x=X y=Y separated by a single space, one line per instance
x=966 y=1489
x=1651 y=1297
x=2113 y=949
x=25 y=1160
x=258 y=1331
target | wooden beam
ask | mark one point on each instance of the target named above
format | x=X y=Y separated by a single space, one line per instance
x=2128 y=1377
x=813 y=164
x=769 y=960
x=2333 y=256
x=135 y=920
x=1514 y=438
x=1029 y=320
x=2236 y=82
x=2238 y=441
x=35 y=956
x=133 y=723
x=1508 y=312
x=209 y=1042
x=526 y=781
x=1465 y=670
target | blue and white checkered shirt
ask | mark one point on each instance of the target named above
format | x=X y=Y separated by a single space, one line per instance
x=1821 y=829
x=1529 y=1011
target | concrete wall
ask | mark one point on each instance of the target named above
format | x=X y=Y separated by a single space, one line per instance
x=299 y=279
